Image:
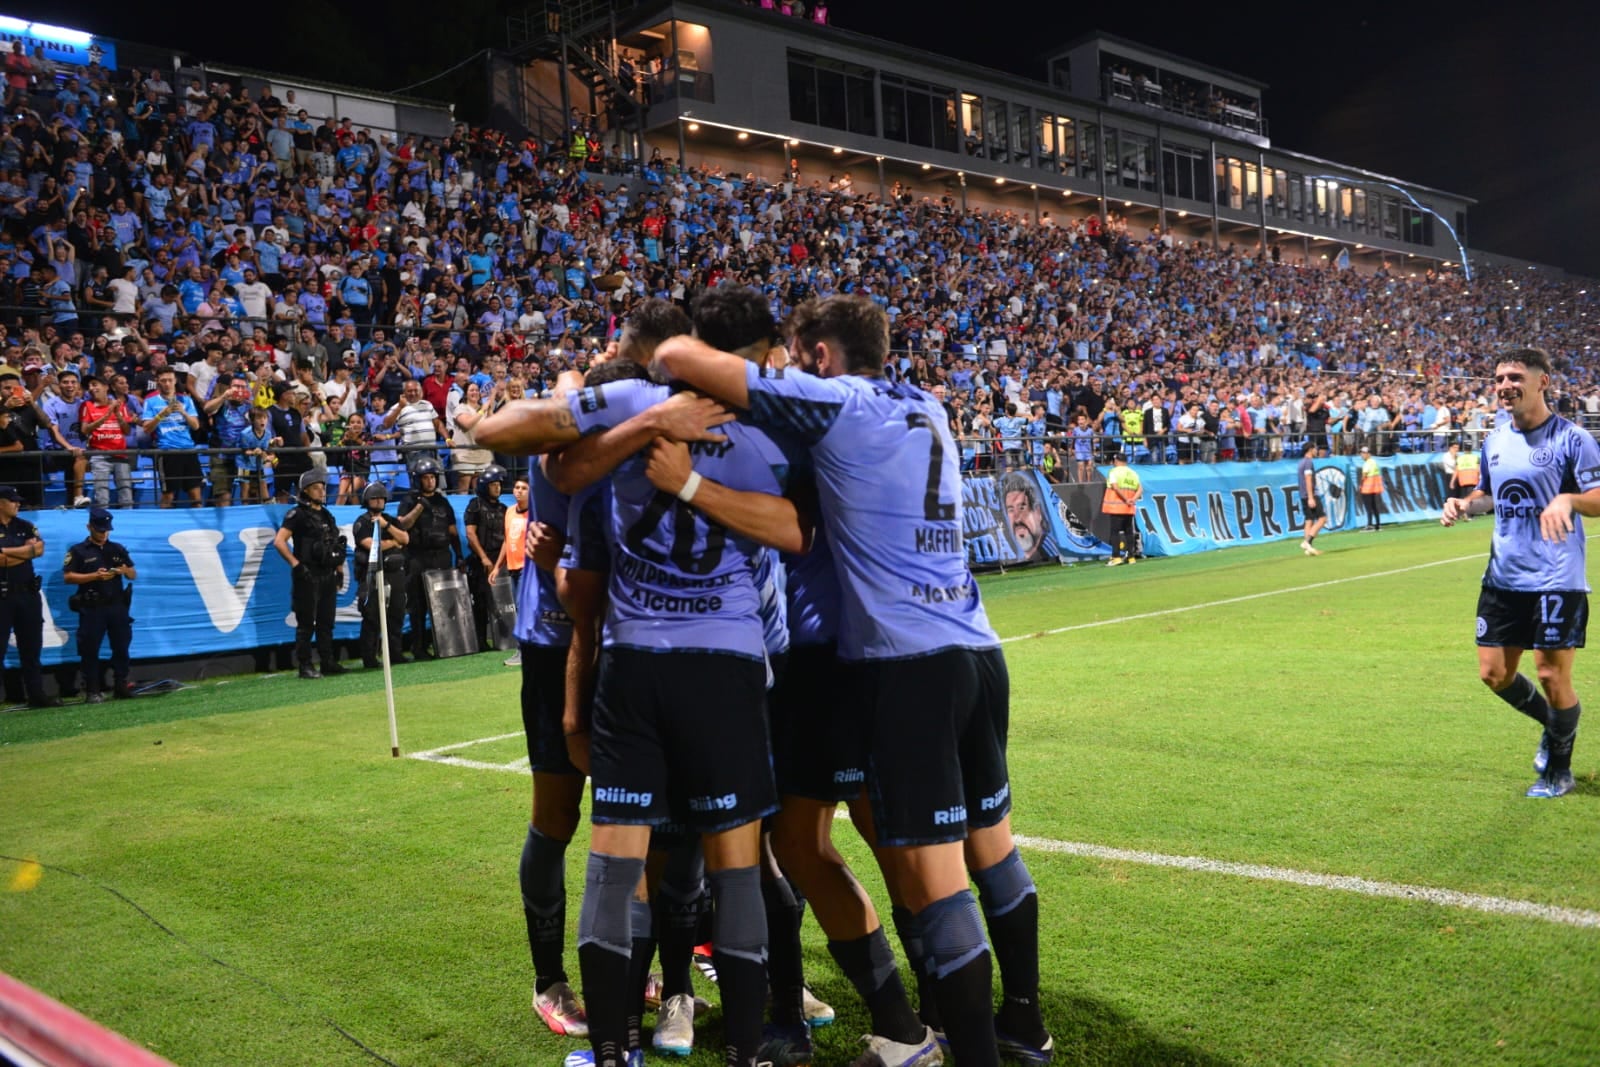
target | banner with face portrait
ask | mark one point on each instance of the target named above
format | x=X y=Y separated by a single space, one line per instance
x=1017 y=518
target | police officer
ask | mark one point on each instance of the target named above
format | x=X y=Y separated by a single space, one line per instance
x=98 y=566
x=21 y=609
x=486 y=532
x=318 y=556
x=435 y=545
x=392 y=565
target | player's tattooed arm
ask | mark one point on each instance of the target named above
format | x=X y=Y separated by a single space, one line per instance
x=528 y=427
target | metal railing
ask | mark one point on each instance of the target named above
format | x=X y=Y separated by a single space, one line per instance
x=1059 y=454
x=222 y=476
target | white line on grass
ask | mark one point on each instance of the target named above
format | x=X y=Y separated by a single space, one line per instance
x=1239 y=599
x=1448 y=898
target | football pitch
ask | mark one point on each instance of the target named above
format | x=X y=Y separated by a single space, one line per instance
x=1273 y=816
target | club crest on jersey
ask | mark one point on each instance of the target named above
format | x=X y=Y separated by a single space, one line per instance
x=1542 y=456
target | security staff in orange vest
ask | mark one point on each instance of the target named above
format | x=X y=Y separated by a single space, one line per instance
x=1464 y=475
x=1371 y=489
x=1121 y=498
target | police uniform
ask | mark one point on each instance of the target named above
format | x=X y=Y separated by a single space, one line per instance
x=21 y=609
x=487 y=515
x=392 y=564
x=321 y=551
x=430 y=549
x=102 y=608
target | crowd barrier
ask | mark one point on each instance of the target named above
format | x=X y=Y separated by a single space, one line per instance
x=209 y=579
x=1200 y=507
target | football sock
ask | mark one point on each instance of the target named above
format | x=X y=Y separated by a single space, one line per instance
x=785 y=972
x=542 y=873
x=643 y=953
x=605 y=936
x=910 y=935
x=739 y=940
x=1011 y=912
x=1563 y=732
x=963 y=975
x=680 y=902
x=869 y=964
x=1526 y=698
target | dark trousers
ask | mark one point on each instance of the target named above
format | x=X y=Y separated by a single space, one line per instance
x=417 y=592
x=1370 y=502
x=95 y=624
x=22 y=615
x=483 y=610
x=313 y=597
x=1122 y=539
x=394 y=592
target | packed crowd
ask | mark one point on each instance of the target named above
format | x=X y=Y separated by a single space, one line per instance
x=371 y=293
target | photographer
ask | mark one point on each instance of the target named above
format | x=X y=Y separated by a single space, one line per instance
x=98 y=566
x=392 y=567
x=435 y=545
x=315 y=563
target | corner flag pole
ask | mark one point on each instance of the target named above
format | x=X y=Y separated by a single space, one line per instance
x=375 y=568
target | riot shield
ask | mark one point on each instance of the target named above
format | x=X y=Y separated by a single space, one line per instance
x=503 y=618
x=451 y=607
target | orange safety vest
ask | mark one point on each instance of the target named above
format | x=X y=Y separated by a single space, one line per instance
x=1467 y=469
x=1371 y=480
x=1114 y=503
x=516 y=535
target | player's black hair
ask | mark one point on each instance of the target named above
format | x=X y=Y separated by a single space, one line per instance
x=614 y=370
x=655 y=320
x=1536 y=359
x=855 y=324
x=729 y=317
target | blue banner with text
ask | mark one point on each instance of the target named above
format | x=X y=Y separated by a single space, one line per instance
x=1017 y=517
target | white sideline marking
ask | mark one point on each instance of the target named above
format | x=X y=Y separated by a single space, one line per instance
x=442 y=755
x=1447 y=898
x=1240 y=599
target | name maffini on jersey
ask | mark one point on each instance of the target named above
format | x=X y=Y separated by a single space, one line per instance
x=938 y=540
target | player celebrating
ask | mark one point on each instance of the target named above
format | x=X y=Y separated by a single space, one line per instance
x=1539 y=470
x=931 y=665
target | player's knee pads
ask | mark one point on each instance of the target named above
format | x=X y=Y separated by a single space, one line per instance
x=739 y=922
x=952 y=933
x=542 y=871
x=1005 y=885
x=605 y=917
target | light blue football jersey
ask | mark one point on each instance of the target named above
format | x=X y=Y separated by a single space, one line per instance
x=889 y=481
x=1524 y=472
x=679 y=582
x=541 y=620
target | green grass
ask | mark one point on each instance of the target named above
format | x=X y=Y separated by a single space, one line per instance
x=1338 y=729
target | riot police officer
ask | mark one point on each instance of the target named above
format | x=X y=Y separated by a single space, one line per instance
x=392 y=567
x=21 y=608
x=98 y=567
x=315 y=563
x=435 y=545
x=486 y=532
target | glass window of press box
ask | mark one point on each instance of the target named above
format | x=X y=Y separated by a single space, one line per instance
x=831 y=93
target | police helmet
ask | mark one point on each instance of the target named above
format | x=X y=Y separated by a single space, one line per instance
x=375 y=491
x=428 y=466
x=314 y=476
x=491 y=474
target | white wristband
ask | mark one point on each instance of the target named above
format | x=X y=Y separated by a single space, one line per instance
x=690 y=487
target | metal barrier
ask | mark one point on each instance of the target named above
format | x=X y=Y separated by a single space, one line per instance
x=1058 y=454
x=138 y=477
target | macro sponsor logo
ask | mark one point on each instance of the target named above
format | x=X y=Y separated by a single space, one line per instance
x=1515 y=499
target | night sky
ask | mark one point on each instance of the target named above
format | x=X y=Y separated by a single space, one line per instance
x=1498 y=102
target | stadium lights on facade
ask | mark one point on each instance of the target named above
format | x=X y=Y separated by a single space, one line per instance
x=1183 y=214
x=927 y=166
x=744 y=135
x=794 y=142
x=999 y=181
x=838 y=151
x=694 y=127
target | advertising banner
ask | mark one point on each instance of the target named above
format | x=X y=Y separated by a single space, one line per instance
x=1017 y=517
x=1199 y=507
x=209 y=579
